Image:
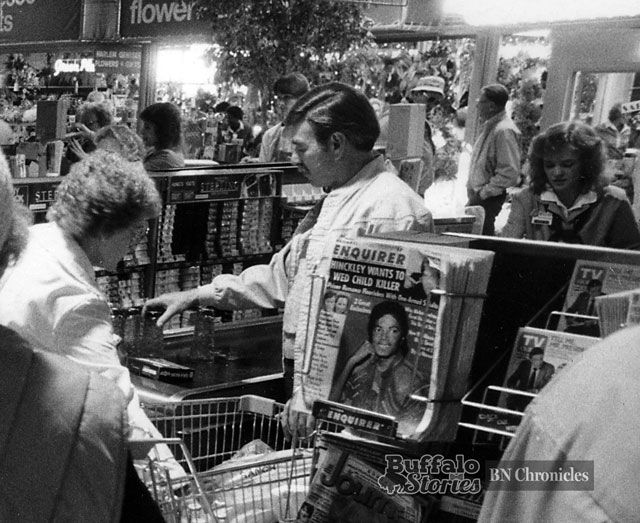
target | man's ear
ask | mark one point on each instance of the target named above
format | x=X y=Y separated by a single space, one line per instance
x=337 y=144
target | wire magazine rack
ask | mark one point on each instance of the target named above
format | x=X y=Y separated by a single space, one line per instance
x=204 y=435
x=493 y=421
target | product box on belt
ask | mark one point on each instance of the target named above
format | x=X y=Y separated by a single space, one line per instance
x=160 y=369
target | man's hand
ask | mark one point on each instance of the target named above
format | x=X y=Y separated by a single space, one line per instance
x=296 y=423
x=173 y=303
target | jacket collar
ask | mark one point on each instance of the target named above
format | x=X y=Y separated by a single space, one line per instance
x=362 y=177
x=493 y=121
x=583 y=200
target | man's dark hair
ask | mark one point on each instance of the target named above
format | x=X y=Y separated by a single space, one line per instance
x=615 y=112
x=221 y=107
x=235 y=112
x=293 y=84
x=337 y=108
x=167 y=122
x=536 y=351
x=496 y=93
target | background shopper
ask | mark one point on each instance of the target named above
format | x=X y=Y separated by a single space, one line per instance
x=495 y=160
x=162 y=135
x=276 y=145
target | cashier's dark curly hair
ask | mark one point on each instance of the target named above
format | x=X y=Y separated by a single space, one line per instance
x=167 y=122
x=578 y=136
x=104 y=193
x=337 y=107
x=397 y=311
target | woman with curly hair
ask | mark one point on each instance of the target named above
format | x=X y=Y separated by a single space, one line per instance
x=568 y=199
x=64 y=429
x=50 y=296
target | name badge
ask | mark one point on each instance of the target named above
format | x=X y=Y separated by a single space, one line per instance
x=542 y=218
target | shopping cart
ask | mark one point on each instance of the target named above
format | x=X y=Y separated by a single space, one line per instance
x=222 y=485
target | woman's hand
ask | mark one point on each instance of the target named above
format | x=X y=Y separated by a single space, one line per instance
x=86 y=132
x=76 y=148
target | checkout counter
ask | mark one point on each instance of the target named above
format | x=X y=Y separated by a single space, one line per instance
x=253 y=365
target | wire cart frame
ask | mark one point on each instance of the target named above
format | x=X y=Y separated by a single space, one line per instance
x=204 y=436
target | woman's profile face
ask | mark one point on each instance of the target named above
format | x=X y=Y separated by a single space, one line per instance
x=117 y=244
x=562 y=168
x=148 y=134
x=386 y=336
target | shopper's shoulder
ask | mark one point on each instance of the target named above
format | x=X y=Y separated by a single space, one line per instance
x=273 y=132
x=614 y=193
x=506 y=126
x=163 y=159
x=602 y=381
x=525 y=196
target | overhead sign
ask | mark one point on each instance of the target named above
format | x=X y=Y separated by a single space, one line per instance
x=39 y=20
x=150 y=18
x=118 y=60
x=631 y=107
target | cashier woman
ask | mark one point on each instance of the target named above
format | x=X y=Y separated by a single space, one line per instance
x=568 y=199
x=334 y=129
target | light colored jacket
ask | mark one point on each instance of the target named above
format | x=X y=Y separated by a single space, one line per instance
x=275 y=147
x=495 y=160
x=51 y=298
x=373 y=201
x=62 y=439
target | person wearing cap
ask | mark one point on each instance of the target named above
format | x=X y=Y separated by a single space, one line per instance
x=615 y=133
x=495 y=160
x=275 y=146
x=428 y=91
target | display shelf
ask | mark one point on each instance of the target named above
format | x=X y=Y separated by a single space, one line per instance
x=527 y=287
x=182 y=332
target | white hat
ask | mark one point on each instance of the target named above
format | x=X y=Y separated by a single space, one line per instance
x=433 y=84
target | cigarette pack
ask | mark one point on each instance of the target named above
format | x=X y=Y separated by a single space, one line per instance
x=160 y=369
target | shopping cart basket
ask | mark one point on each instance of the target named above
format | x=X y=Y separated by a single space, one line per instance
x=204 y=435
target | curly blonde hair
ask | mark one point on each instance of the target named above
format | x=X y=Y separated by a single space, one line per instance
x=104 y=193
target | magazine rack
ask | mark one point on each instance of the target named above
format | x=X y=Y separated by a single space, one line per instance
x=527 y=287
x=369 y=424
